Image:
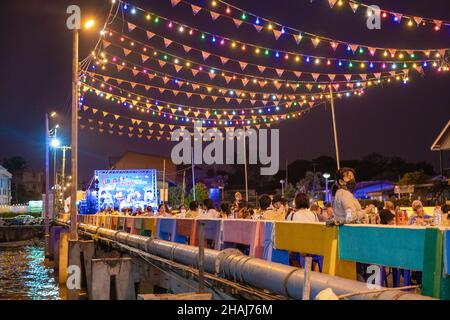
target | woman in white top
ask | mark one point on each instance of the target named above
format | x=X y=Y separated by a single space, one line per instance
x=302 y=214
x=210 y=212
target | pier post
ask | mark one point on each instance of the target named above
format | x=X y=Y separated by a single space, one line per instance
x=112 y=279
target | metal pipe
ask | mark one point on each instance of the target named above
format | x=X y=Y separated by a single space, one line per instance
x=233 y=265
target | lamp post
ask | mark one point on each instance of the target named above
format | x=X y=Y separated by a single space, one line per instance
x=326 y=176
x=74 y=133
x=282 y=187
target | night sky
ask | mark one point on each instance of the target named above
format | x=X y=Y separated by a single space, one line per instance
x=395 y=120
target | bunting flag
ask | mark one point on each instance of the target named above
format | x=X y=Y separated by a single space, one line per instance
x=195 y=9
x=175 y=2
x=131 y=27
x=214 y=15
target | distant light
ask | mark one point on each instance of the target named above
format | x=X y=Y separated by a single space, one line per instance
x=326 y=175
x=55 y=143
x=53 y=114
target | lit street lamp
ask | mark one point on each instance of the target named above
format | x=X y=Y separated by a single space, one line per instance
x=326 y=176
x=282 y=187
x=74 y=133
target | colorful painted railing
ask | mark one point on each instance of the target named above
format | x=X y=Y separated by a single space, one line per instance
x=413 y=248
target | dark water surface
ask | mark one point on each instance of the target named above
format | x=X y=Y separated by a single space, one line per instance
x=24 y=275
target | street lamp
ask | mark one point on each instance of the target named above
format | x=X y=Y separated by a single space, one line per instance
x=74 y=132
x=282 y=187
x=326 y=176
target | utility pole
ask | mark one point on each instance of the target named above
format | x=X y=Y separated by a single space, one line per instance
x=74 y=139
x=47 y=187
x=183 y=188
x=164 y=182
x=245 y=168
x=193 y=175
x=63 y=169
x=336 y=145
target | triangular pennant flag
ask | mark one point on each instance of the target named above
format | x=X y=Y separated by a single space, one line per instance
x=398 y=16
x=418 y=20
x=188 y=94
x=224 y=60
x=298 y=74
x=147 y=87
x=279 y=72
x=227 y=99
x=392 y=51
x=261 y=68
x=177 y=67
x=363 y=76
x=194 y=72
x=354 y=6
x=94 y=111
x=211 y=75
x=144 y=57
x=309 y=86
x=186 y=48
x=227 y=79
x=131 y=27
x=174 y=2
x=106 y=44
x=214 y=15
x=105 y=114
x=315 y=76
x=332 y=3
x=244 y=81
x=243 y=65
x=165 y=80
x=126 y=51
x=332 y=77
x=262 y=83
x=377 y=75
x=205 y=55
x=348 y=77
x=161 y=63
x=100 y=123
x=253 y=102
x=135 y=72
x=336 y=86
x=237 y=22
x=298 y=38
x=214 y=98
x=150 y=35
x=133 y=84
x=276 y=33
x=257 y=27
x=116 y=116
x=277 y=85
x=167 y=42
x=354 y=47
x=195 y=9
x=161 y=90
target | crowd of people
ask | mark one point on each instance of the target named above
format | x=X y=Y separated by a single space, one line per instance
x=345 y=209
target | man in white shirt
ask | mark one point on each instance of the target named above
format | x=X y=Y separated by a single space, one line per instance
x=303 y=214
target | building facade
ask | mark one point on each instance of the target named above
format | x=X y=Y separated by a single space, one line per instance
x=5 y=186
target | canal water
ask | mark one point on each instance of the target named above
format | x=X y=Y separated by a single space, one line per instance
x=25 y=275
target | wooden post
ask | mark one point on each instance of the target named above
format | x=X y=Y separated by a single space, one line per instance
x=307 y=278
x=201 y=258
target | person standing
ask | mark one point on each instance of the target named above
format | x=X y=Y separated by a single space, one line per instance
x=346 y=207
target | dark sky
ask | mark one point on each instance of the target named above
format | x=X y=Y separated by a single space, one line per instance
x=397 y=120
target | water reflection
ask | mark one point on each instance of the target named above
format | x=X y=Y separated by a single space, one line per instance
x=24 y=276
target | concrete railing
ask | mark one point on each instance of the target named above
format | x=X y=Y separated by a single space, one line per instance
x=424 y=249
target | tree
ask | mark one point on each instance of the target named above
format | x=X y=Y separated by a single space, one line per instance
x=201 y=194
x=311 y=184
x=16 y=166
x=413 y=178
x=175 y=196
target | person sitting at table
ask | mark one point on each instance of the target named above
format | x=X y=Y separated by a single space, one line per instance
x=149 y=212
x=163 y=210
x=419 y=217
x=224 y=210
x=302 y=214
x=194 y=210
x=209 y=211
